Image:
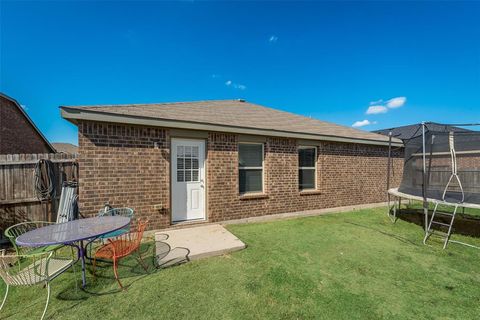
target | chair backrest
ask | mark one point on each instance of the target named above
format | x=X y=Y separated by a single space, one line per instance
x=129 y=242
x=141 y=226
x=68 y=203
x=124 y=212
x=24 y=270
x=13 y=232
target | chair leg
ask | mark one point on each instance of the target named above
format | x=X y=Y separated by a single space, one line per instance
x=5 y=298
x=48 y=300
x=94 y=265
x=115 y=271
x=141 y=261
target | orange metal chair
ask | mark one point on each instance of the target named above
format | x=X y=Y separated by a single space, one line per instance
x=120 y=247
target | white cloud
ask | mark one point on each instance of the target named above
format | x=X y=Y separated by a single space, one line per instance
x=273 y=39
x=362 y=123
x=238 y=86
x=376 y=102
x=376 y=109
x=396 y=102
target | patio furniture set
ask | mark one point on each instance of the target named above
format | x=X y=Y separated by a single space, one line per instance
x=40 y=246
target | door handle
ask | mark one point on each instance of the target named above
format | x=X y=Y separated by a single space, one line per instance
x=202 y=183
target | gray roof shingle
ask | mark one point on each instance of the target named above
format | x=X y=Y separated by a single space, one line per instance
x=63 y=147
x=233 y=113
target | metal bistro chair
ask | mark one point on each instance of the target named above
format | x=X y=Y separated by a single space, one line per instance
x=124 y=212
x=121 y=247
x=66 y=212
x=109 y=211
x=30 y=270
x=13 y=232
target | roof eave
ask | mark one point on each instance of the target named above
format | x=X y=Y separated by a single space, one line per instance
x=75 y=114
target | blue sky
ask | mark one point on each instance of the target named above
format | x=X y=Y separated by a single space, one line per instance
x=328 y=60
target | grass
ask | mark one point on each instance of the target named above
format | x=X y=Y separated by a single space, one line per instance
x=353 y=265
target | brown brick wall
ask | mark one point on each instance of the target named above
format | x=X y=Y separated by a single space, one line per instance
x=119 y=164
x=16 y=133
x=347 y=174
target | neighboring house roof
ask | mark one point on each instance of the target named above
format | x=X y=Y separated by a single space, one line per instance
x=15 y=102
x=62 y=147
x=223 y=115
x=415 y=130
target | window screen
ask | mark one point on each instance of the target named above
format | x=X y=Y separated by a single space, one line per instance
x=306 y=167
x=250 y=164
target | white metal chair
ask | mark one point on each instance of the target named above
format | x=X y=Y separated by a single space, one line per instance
x=30 y=270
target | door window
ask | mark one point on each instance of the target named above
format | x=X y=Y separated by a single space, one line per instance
x=187 y=164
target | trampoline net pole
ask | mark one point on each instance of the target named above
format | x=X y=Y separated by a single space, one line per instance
x=424 y=176
x=389 y=167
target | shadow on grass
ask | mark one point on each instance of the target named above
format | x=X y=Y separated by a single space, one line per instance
x=394 y=236
x=464 y=224
x=129 y=269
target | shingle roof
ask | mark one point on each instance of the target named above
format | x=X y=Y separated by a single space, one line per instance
x=63 y=147
x=231 y=113
x=415 y=130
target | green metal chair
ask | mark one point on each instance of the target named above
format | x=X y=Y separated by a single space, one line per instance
x=124 y=212
x=13 y=232
x=32 y=269
x=109 y=211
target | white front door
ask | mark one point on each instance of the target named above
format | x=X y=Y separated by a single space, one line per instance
x=188 y=176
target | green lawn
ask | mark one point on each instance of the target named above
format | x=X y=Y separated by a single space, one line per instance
x=341 y=266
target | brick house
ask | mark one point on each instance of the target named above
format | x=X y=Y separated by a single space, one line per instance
x=221 y=160
x=18 y=133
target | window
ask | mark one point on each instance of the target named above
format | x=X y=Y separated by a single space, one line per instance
x=307 y=158
x=187 y=163
x=250 y=165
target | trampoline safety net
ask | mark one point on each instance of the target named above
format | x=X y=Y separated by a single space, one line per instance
x=452 y=161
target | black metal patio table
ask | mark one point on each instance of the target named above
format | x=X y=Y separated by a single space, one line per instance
x=77 y=233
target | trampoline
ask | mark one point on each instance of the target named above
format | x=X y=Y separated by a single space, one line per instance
x=442 y=167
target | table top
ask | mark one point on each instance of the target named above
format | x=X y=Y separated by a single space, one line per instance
x=72 y=231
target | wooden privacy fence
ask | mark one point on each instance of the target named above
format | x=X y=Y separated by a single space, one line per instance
x=18 y=199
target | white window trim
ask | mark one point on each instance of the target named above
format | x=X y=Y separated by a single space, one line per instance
x=252 y=168
x=315 y=186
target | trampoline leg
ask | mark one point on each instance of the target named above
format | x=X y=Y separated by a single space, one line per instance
x=395 y=210
x=392 y=208
x=429 y=225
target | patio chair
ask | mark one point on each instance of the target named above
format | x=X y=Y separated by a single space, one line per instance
x=124 y=212
x=30 y=270
x=109 y=211
x=121 y=247
x=13 y=232
x=66 y=212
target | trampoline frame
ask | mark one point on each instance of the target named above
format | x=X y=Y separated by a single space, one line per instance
x=397 y=196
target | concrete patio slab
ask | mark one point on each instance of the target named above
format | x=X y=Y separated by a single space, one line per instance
x=179 y=245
